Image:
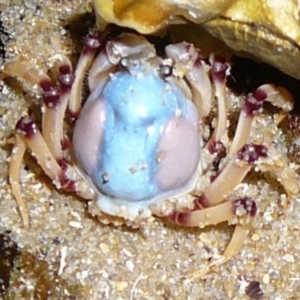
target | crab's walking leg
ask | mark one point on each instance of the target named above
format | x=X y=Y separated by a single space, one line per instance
x=253 y=104
x=277 y=96
x=91 y=47
x=188 y=63
x=242 y=156
x=277 y=165
x=49 y=150
x=232 y=174
x=218 y=70
x=47 y=146
x=14 y=175
x=28 y=131
x=28 y=135
x=280 y=169
x=207 y=207
x=244 y=209
x=55 y=98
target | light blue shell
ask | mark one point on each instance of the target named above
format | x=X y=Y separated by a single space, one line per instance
x=137 y=140
x=137 y=110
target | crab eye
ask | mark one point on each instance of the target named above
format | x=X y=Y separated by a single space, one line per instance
x=124 y=63
x=165 y=71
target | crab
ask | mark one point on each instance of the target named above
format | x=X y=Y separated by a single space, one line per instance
x=269 y=30
x=141 y=144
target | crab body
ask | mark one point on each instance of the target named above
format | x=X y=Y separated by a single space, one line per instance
x=139 y=143
x=137 y=139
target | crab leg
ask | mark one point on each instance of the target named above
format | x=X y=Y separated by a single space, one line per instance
x=28 y=135
x=218 y=71
x=207 y=208
x=232 y=174
x=201 y=88
x=240 y=164
x=238 y=238
x=234 y=246
x=212 y=215
x=278 y=97
x=188 y=63
x=14 y=176
x=47 y=147
x=280 y=169
x=54 y=103
x=282 y=99
x=28 y=131
x=91 y=47
x=244 y=208
x=252 y=105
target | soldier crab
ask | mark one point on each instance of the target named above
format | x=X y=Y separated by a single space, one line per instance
x=139 y=142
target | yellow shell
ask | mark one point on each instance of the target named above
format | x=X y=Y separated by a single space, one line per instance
x=270 y=29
